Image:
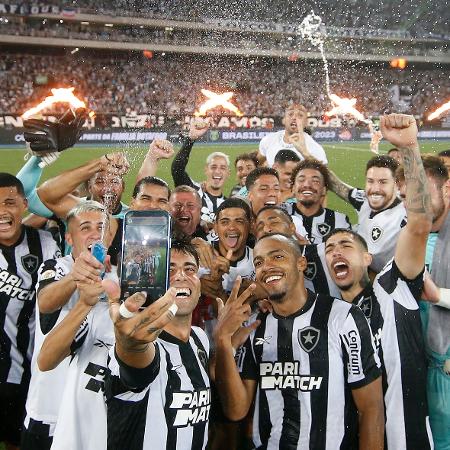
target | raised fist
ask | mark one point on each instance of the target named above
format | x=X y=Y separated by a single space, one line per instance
x=46 y=137
x=400 y=130
x=198 y=128
x=161 y=149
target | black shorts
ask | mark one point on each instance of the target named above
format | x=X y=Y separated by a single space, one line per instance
x=12 y=412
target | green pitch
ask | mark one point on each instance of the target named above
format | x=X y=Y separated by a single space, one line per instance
x=346 y=159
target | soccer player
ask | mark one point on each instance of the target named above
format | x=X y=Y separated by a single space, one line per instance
x=445 y=156
x=159 y=389
x=396 y=154
x=311 y=180
x=307 y=361
x=56 y=296
x=217 y=171
x=435 y=318
x=150 y=193
x=244 y=164
x=263 y=185
x=22 y=251
x=381 y=214
x=273 y=219
x=285 y=163
x=391 y=303
x=84 y=337
x=294 y=122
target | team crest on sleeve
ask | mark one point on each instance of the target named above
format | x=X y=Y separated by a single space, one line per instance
x=308 y=338
x=311 y=271
x=376 y=233
x=30 y=263
x=323 y=228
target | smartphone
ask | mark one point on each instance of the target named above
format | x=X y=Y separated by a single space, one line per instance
x=145 y=258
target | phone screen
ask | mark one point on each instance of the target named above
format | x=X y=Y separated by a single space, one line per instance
x=145 y=254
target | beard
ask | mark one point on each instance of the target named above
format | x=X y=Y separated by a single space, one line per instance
x=277 y=297
x=307 y=203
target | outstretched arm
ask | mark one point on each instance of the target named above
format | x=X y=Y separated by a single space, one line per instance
x=56 y=192
x=180 y=177
x=340 y=188
x=401 y=131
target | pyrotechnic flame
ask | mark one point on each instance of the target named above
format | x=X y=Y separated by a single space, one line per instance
x=59 y=95
x=345 y=106
x=217 y=100
x=442 y=109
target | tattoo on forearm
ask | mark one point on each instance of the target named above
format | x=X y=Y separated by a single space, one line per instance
x=338 y=187
x=418 y=200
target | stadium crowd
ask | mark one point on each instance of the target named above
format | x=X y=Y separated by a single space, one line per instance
x=211 y=38
x=417 y=20
x=284 y=326
x=112 y=85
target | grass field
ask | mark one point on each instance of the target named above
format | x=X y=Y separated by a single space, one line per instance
x=346 y=159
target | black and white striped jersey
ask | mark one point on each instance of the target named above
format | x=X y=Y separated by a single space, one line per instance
x=19 y=266
x=81 y=423
x=46 y=388
x=305 y=366
x=319 y=226
x=379 y=228
x=393 y=310
x=317 y=276
x=168 y=407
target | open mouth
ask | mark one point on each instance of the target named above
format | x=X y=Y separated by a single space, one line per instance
x=184 y=219
x=270 y=203
x=231 y=240
x=183 y=292
x=340 y=269
x=307 y=193
x=376 y=197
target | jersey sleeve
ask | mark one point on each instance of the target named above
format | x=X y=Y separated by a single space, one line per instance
x=80 y=336
x=360 y=357
x=179 y=174
x=48 y=273
x=356 y=198
x=400 y=287
x=263 y=146
x=246 y=362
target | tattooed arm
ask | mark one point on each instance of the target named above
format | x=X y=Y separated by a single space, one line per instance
x=135 y=335
x=340 y=188
x=401 y=131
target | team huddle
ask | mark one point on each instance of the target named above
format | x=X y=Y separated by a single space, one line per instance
x=284 y=326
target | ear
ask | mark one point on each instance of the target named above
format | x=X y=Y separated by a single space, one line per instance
x=69 y=239
x=301 y=264
x=367 y=259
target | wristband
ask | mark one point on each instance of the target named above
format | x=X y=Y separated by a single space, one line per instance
x=444 y=298
x=125 y=312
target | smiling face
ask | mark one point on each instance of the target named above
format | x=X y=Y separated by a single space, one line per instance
x=83 y=230
x=12 y=208
x=184 y=278
x=347 y=261
x=309 y=187
x=272 y=221
x=243 y=168
x=380 y=188
x=275 y=264
x=217 y=172
x=106 y=189
x=185 y=209
x=265 y=191
x=151 y=197
x=232 y=228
